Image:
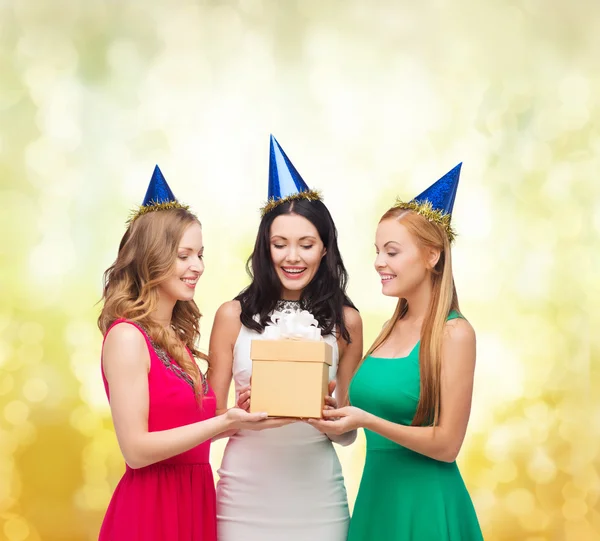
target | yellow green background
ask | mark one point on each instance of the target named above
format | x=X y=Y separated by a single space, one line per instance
x=370 y=99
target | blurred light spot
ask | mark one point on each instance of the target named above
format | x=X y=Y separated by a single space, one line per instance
x=81 y=334
x=85 y=421
x=484 y=499
x=16 y=412
x=16 y=529
x=7 y=382
x=255 y=7
x=477 y=222
x=520 y=502
x=535 y=520
x=35 y=390
x=541 y=467
x=574 y=88
x=505 y=471
x=574 y=509
x=25 y=433
x=31 y=331
x=573 y=117
x=30 y=354
x=44 y=266
x=536 y=272
x=93 y=496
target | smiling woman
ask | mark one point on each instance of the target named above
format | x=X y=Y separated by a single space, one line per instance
x=412 y=392
x=162 y=408
x=296 y=252
x=285 y=482
x=189 y=266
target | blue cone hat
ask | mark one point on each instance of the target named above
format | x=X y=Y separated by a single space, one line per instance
x=158 y=190
x=159 y=196
x=442 y=193
x=436 y=202
x=285 y=183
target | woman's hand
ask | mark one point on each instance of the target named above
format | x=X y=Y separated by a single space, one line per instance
x=330 y=402
x=339 y=421
x=238 y=418
x=243 y=401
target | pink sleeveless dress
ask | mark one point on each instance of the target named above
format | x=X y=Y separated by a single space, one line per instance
x=171 y=500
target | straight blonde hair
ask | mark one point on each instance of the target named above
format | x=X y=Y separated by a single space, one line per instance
x=443 y=301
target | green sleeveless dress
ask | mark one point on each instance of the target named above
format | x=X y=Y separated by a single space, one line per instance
x=403 y=495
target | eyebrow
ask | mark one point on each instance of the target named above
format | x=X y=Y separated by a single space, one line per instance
x=306 y=237
x=190 y=249
x=390 y=242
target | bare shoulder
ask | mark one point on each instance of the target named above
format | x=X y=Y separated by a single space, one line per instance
x=458 y=346
x=229 y=311
x=352 y=318
x=125 y=335
x=227 y=324
x=459 y=331
x=125 y=346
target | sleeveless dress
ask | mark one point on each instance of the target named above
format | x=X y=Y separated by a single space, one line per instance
x=283 y=483
x=173 y=499
x=404 y=495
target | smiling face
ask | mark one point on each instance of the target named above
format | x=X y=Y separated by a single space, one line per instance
x=402 y=263
x=296 y=252
x=180 y=285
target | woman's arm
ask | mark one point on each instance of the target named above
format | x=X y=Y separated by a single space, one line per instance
x=445 y=440
x=225 y=330
x=126 y=362
x=350 y=356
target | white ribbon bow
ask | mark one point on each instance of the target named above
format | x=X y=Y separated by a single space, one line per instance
x=292 y=326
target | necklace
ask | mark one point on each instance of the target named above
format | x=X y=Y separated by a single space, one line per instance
x=172 y=366
x=288 y=306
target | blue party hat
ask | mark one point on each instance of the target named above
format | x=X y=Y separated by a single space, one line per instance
x=158 y=190
x=158 y=197
x=285 y=183
x=436 y=202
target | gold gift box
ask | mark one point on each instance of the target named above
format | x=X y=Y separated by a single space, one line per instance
x=289 y=377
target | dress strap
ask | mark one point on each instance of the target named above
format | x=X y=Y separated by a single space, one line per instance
x=158 y=353
x=454 y=314
x=137 y=326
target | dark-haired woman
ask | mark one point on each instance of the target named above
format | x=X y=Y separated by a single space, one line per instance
x=283 y=480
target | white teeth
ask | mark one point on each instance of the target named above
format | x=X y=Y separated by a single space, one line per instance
x=293 y=271
x=189 y=280
x=387 y=277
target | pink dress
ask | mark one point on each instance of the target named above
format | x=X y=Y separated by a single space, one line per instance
x=171 y=500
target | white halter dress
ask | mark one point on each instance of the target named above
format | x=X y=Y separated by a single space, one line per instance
x=280 y=484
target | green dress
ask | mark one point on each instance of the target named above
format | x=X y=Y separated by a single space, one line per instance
x=403 y=495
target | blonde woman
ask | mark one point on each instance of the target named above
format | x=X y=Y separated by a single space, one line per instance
x=162 y=408
x=412 y=393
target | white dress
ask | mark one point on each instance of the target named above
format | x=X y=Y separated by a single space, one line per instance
x=280 y=484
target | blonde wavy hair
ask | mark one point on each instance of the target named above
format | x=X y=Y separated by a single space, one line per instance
x=443 y=301
x=146 y=257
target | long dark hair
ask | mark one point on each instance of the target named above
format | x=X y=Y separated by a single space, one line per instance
x=324 y=297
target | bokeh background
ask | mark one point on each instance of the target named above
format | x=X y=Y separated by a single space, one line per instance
x=370 y=100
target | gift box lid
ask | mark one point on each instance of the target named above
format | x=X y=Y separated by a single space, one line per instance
x=291 y=350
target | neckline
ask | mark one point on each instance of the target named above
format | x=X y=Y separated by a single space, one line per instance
x=402 y=357
x=452 y=315
x=283 y=304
